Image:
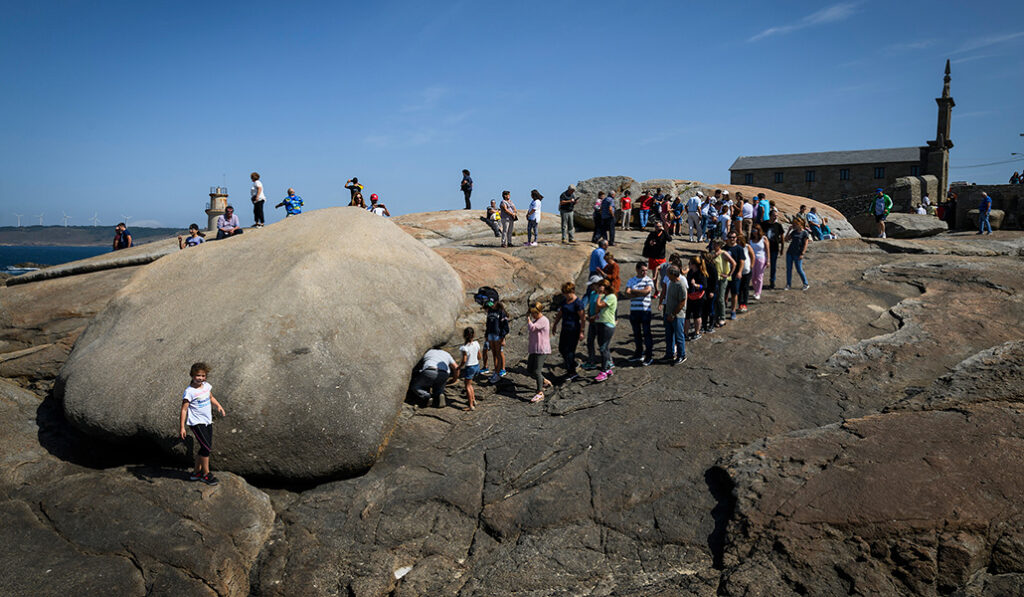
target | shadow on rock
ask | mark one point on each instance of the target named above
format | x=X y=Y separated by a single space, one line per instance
x=721 y=488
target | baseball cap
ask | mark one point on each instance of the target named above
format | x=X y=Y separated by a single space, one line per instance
x=594 y=279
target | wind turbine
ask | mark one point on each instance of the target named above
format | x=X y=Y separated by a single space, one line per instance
x=125 y=219
x=66 y=218
x=95 y=219
x=19 y=216
x=40 y=216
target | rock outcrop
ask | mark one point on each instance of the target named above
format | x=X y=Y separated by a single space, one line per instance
x=311 y=328
x=900 y=225
x=466 y=227
x=586 y=196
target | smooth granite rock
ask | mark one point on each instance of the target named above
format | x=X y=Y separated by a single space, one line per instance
x=311 y=327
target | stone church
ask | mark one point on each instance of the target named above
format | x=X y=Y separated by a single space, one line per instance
x=833 y=176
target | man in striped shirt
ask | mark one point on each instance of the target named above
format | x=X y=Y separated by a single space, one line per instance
x=639 y=289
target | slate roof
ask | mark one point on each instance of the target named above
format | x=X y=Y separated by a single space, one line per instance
x=827 y=158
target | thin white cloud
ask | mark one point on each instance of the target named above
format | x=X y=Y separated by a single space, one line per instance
x=984 y=42
x=146 y=224
x=972 y=58
x=829 y=14
x=911 y=46
x=427 y=99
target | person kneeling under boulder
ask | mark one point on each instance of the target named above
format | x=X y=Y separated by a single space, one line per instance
x=437 y=366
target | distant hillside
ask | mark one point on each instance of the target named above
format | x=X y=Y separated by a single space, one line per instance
x=83 y=236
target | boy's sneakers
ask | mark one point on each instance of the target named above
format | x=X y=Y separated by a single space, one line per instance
x=483 y=371
x=604 y=375
x=636 y=358
x=732 y=315
x=806 y=286
x=502 y=373
x=647 y=362
x=195 y=476
x=209 y=479
x=678 y=361
x=588 y=366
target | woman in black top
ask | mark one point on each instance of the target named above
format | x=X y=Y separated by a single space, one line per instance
x=798 y=239
x=696 y=283
x=707 y=314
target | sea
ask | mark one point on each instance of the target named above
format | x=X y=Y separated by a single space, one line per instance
x=13 y=256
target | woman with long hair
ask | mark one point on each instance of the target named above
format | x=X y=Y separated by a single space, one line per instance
x=696 y=283
x=759 y=245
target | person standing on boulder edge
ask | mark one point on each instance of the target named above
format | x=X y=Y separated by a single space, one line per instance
x=197 y=414
x=572 y=315
x=533 y=218
x=567 y=211
x=467 y=187
x=880 y=207
x=539 y=347
x=508 y=218
x=258 y=199
x=354 y=188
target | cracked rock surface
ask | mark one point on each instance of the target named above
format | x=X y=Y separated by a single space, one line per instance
x=863 y=437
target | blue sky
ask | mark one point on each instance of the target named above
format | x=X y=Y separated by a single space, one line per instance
x=137 y=108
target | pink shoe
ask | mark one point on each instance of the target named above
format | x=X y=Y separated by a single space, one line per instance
x=604 y=375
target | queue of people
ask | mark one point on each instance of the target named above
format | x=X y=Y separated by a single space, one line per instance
x=691 y=297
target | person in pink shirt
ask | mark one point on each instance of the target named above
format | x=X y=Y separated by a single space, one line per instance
x=539 y=345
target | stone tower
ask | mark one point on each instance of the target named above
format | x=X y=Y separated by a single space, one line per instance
x=216 y=207
x=938 y=150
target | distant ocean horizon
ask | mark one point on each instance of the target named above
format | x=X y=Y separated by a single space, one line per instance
x=12 y=255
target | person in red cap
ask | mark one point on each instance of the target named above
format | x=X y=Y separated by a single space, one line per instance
x=376 y=207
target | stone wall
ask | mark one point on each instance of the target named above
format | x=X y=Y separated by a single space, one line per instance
x=906 y=192
x=1006 y=197
x=827 y=186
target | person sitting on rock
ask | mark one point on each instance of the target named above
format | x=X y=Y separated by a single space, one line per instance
x=357 y=200
x=493 y=218
x=437 y=365
x=227 y=224
x=292 y=204
x=826 y=231
x=122 y=237
x=1015 y=178
x=377 y=208
x=195 y=238
x=814 y=223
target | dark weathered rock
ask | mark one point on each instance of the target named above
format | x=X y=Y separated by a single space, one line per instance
x=586 y=196
x=311 y=328
x=900 y=225
x=995 y=217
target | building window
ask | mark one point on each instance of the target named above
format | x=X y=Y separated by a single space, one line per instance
x=778 y=177
x=880 y=172
x=748 y=179
x=915 y=170
x=809 y=176
x=844 y=174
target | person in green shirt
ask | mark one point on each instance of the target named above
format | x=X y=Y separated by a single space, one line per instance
x=607 y=303
x=880 y=207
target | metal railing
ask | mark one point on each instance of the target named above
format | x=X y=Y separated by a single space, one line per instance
x=218 y=190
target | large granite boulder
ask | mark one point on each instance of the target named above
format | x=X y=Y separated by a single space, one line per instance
x=900 y=225
x=311 y=327
x=586 y=195
x=469 y=226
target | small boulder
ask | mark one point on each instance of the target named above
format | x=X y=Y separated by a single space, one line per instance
x=311 y=327
x=586 y=195
x=900 y=225
x=995 y=217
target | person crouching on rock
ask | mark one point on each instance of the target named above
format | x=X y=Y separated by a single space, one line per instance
x=432 y=376
x=496 y=330
x=470 y=364
x=539 y=343
x=197 y=414
x=493 y=218
x=292 y=204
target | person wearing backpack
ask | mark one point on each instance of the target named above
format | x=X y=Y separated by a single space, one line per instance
x=497 y=328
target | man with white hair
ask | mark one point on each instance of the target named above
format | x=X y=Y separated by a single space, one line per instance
x=693 y=215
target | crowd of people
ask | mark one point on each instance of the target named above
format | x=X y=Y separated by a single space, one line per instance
x=691 y=297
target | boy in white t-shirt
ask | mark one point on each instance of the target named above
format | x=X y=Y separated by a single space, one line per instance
x=470 y=365
x=197 y=414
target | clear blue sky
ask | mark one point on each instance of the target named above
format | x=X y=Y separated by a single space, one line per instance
x=138 y=108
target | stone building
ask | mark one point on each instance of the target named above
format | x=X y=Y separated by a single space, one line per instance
x=831 y=176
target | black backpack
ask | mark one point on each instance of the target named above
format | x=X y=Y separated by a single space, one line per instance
x=486 y=296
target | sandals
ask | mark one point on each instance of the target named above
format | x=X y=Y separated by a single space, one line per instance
x=537 y=397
